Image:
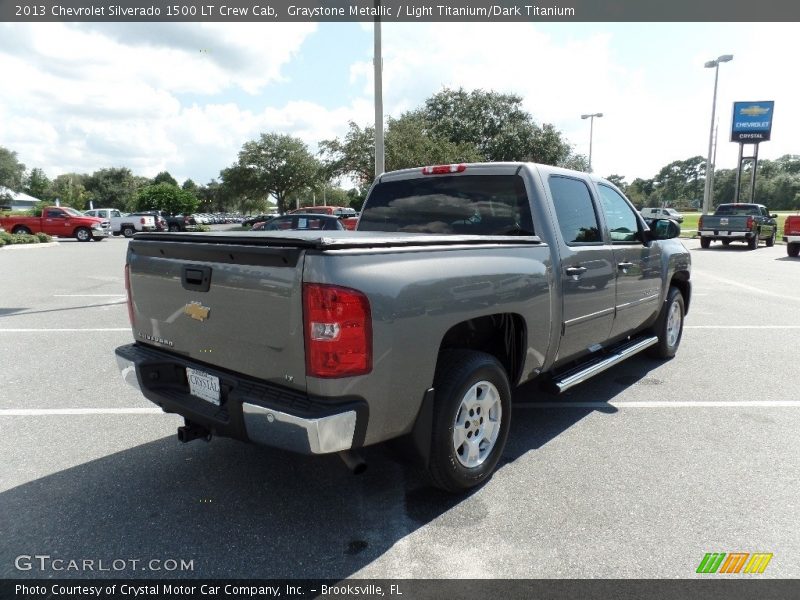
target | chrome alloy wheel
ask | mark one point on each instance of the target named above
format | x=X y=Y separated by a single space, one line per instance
x=477 y=424
x=674 y=322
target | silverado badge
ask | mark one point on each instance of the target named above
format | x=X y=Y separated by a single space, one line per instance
x=196 y=311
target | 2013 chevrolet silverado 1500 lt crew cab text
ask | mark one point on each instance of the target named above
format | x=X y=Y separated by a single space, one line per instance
x=461 y=282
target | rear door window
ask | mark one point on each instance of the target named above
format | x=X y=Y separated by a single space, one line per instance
x=577 y=218
x=450 y=204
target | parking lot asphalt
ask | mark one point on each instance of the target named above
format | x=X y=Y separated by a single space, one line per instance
x=635 y=474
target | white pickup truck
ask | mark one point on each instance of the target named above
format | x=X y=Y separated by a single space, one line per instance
x=126 y=225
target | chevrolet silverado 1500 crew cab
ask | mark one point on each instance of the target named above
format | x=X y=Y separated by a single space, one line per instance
x=461 y=282
x=738 y=222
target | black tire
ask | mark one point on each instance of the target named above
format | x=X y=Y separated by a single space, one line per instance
x=174 y=227
x=464 y=378
x=83 y=234
x=726 y=243
x=115 y=233
x=22 y=229
x=705 y=242
x=793 y=249
x=771 y=239
x=98 y=238
x=668 y=329
x=128 y=231
x=752 y=243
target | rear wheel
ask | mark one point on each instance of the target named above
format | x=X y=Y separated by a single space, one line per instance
x=669 y=326
x=83 y=235
x=471 y=418
x=128 y=231
x=771 y=239
x=21 y=229
x=726 y=242
x=174 y=227
x=705 y=242
x=752 y=243
x=793 y=249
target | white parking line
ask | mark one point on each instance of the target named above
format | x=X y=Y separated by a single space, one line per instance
x=741 y=326
x=745 y=286
x=666 y=404
x=63 y=330
x=40 y=412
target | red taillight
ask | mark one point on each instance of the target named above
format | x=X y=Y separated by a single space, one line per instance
x=128 y=292
x=750 y=222
x=338 y=331
x=142 y=221
x=700 y=222
x=444 y=169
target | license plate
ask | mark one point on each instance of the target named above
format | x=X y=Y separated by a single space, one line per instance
x=203 y=385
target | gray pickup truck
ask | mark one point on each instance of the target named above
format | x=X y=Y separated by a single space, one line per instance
x=461 y=282
x=748 y=223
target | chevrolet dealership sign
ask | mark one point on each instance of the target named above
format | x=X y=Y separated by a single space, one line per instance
x=752 y=121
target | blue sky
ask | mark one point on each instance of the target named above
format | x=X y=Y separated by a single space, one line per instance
x=185 y=96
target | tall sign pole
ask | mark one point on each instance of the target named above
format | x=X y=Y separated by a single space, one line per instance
x=378 y=66
x=752 y=124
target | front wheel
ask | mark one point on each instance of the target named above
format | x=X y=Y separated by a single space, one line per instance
x=471 y=418
x=174 y=228
x=771 y=239
x=83 y=235
x=705 y=242
x=669 y=326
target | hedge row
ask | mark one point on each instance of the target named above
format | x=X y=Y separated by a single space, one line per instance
x=23 y=238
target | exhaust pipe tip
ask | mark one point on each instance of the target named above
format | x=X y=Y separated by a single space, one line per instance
x=354 y=461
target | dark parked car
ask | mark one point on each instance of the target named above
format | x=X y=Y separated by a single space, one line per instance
x=300 y=221
x=257 y=219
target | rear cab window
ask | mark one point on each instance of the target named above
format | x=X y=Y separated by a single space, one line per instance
x=450 y=204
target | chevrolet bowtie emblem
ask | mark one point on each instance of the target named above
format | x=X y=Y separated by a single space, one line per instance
x=754 y=111
x=196 y=311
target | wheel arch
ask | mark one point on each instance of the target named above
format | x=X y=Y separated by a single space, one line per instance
x=681 y=281
x=502 y=335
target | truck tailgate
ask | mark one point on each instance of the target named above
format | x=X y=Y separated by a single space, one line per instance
x=232 y=306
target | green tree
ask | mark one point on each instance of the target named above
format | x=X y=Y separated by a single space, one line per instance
x=165 y=177
x=70 y=190
x=37 y=184
x=619 y=181
x=274 y=164
x=112 y=188
x=12 y=172
x=167 y=197
x=495 y=124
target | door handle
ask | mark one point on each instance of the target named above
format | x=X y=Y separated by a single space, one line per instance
x=574 y=271
x=624 y=265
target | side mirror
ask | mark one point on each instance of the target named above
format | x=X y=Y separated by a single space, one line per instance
x=664 y=229
x=775 y=216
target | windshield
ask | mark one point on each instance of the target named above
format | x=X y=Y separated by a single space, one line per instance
x=454 y=204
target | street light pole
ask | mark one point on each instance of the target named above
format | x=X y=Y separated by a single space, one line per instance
x=378 y=71
x=591 y=133
x=709 y=190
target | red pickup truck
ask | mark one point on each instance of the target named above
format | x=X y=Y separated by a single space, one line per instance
x=62 y=221
x=791 y=235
